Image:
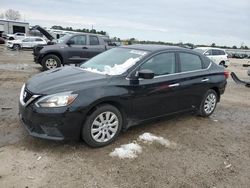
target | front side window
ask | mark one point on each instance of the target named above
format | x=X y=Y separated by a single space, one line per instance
x=38 y=39
x=209 y=52
x=189 y=62
x=161 y=64
x=93 y=40
x=79 y=40
x=27 y=40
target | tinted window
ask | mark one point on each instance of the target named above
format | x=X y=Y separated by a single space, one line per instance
x=37 y=39
x=161 y=64
x=222 y=52
x=218 y=52
x=79 y=40
x=93 y=40
x=189 y=62
x=28 y=40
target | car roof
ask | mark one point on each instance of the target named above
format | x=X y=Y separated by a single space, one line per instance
x=206 y=48
x=152 y=47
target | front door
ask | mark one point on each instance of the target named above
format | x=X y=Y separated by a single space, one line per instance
x=158 y=96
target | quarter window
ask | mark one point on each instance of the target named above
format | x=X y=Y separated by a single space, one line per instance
x=93 y=40
x=189 y=62
x=79 y=40
x=161 y=64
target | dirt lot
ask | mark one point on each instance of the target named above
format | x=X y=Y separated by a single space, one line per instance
x=212 y=152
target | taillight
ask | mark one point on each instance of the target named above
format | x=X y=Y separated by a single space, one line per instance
x=226 y=74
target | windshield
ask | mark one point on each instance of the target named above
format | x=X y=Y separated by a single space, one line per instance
x=199 y=50
x=114 y=62
x=64 y=38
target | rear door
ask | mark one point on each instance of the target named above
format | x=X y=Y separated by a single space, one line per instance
x=77 y=51
x=95 y=46
x=193 y=79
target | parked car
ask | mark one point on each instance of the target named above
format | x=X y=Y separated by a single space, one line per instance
x=15 y=36
x=28 y=42
x=117 y=89
x=70 y=49
x=2 y=41
x=219 y=56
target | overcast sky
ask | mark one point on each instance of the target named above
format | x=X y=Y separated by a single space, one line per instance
x=225 y=22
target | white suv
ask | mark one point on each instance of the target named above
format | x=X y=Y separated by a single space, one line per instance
x=217 y=55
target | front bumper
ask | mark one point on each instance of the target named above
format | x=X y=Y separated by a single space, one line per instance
x=9 y=45
x=53 y=124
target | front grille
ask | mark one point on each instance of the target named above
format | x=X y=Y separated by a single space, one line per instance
x=26 y=95
x=37 y=49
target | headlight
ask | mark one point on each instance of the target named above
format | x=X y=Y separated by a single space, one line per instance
x=56 y=100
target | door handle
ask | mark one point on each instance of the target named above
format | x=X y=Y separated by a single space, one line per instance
x=174 y=85
x=84 y=48
x=205 y=80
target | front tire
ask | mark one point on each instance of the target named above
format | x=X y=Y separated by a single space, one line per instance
x=16 y=47
x=51 y=62
x=208 y=103
x=103 y=126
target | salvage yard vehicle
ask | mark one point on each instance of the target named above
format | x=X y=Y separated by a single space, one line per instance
x=15 y=36
x=117 y=89
x=219 y=56
x=28 y=42
x=70 y=49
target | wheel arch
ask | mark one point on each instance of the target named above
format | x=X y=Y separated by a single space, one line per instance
x=114 y=103
x=56 y=54
x=216 y=89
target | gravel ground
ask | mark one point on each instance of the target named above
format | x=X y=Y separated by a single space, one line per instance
x=207 y=152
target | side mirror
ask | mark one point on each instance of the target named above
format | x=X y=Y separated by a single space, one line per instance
x=70 y=42
x=146 y=74
x=206 y=54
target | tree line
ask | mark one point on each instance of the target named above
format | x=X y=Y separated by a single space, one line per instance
x=84 y=30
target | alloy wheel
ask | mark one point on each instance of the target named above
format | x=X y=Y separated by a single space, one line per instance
x=104 y=126
x=210 y=103
x=51 y=63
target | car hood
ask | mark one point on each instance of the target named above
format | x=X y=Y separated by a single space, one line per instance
x=44 y=32
x=52 y=47
x=64 y=79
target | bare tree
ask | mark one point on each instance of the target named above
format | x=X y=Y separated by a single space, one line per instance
x=12 y=15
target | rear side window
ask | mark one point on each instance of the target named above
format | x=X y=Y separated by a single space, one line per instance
x=161 y=64
x=79 y=40
x=218 y=52
x=93 y=40
x=189 y=62
x=222 y=52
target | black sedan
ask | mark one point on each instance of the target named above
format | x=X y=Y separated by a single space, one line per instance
x=117 y=89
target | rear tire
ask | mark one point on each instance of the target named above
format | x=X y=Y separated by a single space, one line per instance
x=208 y=103
x=16 y=47
x=102 y=126
x=51 y=62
